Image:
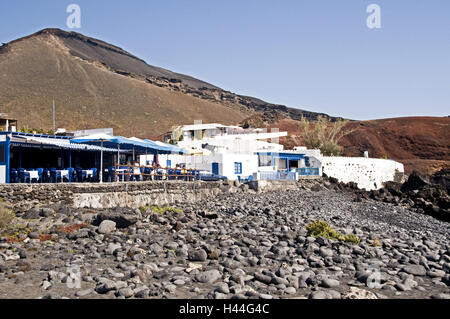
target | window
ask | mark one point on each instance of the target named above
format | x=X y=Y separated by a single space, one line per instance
x=2 y=153
x=265 y=160
x=237 y=168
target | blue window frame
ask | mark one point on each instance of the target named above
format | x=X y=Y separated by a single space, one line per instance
x=237 y=168
x=215 y=168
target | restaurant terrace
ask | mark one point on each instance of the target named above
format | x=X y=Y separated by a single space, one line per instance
x=36 y=158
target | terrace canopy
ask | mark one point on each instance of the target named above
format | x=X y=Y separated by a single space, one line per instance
x=173 y=149
x=119 y=142
x=95 y=139
x=152 y=146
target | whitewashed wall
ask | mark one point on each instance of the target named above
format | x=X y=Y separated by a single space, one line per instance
x=226 y=163
x=368 y=173
x=2 y=174
x=3 y=167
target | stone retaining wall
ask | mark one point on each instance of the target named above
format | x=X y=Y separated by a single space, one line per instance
x=133 y=195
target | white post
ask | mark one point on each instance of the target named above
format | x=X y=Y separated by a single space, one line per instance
x=101 y=163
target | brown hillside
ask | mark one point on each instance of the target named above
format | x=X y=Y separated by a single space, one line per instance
x=96 y=84
x=420 y=143
x=41 y=68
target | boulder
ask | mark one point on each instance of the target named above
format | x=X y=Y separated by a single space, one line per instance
x=416 y=270
x=358 y=293
x=414 y=182
x=32 y=213
x=197 y=255
x=209 y=276
x=107 y=227
x=123 y=217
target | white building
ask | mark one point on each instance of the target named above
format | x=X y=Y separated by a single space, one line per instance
x=238 y=153
x=368 y=173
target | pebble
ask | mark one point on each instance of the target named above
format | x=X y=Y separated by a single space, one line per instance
x=209 y=276
x=106 y=227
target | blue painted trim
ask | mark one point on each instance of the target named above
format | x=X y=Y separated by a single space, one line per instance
x=7 y=151
x=237 y=168
x=36 y=135
x=282 y=155
x=70 y=165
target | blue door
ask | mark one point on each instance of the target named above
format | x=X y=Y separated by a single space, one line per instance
x=215 y=168
x=4 y=158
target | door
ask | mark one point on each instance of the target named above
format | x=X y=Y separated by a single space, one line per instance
x=215 y=168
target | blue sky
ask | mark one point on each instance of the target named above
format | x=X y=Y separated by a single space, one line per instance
x=313 y=54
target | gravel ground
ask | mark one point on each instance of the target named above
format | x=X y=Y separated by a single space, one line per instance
x=240 y=245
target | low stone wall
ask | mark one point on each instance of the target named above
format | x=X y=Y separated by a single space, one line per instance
x=368 y=173
x=266 y=186
x=135 y=195
x=132 y=195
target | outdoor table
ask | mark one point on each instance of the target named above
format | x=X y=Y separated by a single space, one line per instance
x=121 y=173
x=33 y=175
x=89 y=173
x=162 y=173
x=64 y=173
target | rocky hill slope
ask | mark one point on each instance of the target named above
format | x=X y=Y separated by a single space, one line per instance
x=420 y=143
x=96 y=84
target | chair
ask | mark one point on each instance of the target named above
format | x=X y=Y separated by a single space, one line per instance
x=55 y=176
x=72 y=174
x=123 y=175
x=13 y=176
x=147 y=173
x=81 y=175
x=192 y=175
x=24 y=177
x=135 y=177
x=41 y=174
x=170 y=173
x=94 y=176
x=45 y=175
x=109 y=174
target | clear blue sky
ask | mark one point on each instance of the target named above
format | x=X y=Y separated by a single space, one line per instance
x=312 y=54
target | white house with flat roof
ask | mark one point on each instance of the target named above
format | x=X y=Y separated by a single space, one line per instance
x=237 y=153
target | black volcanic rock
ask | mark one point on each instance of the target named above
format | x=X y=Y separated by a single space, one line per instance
x=414 y=182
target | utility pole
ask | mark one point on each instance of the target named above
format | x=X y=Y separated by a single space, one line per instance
x=54 y=127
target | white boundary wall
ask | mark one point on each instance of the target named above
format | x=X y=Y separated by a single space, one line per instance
x=368 y=173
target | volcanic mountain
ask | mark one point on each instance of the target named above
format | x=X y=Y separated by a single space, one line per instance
x=96 y=84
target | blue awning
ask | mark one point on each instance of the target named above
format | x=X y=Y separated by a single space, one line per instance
x=281 y=155
x=120 y=142
x=169 y=147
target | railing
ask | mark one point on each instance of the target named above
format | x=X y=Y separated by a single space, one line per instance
x=311 y=171
x=276 y=176
x=145 y=173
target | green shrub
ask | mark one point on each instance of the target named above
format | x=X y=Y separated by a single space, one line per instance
x=324 y=135
x=323 y=229
x=6 y=217
x=351 y=238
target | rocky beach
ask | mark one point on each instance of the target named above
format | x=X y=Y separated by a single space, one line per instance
x=240 y=244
